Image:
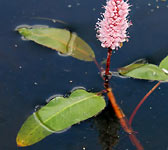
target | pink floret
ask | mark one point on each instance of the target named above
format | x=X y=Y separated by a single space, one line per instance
x=111 y=30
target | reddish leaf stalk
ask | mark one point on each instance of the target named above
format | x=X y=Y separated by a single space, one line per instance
x=141 y=102
x=123 y=120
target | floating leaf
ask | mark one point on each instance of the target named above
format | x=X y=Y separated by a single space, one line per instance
x=136 y=64
x=59 y=114
x=164 y=64
x=147 y=72
x=60 y=40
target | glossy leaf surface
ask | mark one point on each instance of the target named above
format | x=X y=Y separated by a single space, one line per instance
x=143 y=70
x=60 y=113
x=164 y=63
x=60 y=40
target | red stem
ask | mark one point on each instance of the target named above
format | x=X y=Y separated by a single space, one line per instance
x=141 y=102
x=108 y=61
x=123 y=120
x=135 y=142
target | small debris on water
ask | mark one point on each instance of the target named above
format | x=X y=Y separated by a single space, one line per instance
x=157 y=7
x=157 y=0
x=149 y=4
x=152 y=10
x=83 y=148
x=20 y=67
x=69 y=6
x=70 y=81
x=35 y=83
x=159 y=88
x=150 y=108
x=77 y=4
x=15 y=45
x=94 y=9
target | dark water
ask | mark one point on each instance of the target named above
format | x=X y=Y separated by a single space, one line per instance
x=31 y=73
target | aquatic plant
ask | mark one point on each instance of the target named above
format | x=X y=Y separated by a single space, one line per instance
x=61 y=112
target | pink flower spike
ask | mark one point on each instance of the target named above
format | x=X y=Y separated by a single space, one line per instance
x=111 y=30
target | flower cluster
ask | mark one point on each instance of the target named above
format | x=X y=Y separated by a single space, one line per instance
x=111 y=30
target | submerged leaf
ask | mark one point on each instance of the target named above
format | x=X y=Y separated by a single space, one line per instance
x=59 y=114
x=60 y=40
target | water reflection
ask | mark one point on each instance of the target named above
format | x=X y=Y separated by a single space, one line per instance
x=108 y=127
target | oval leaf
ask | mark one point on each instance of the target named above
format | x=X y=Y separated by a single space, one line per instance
x=148 y=72
x=60 y=40
x=164 y=64
x=59 y=114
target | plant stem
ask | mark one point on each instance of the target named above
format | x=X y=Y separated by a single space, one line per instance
x=141 y=102
x=108 y=61
x=123 y=120
x=107 y=71
x=118 y=111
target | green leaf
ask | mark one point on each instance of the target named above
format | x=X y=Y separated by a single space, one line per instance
x=147 y=72
x=164 y=64
x=59 y=114
x=136 y=64
x=60 y=40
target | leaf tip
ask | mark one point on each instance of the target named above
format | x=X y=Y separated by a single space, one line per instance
x=20 y=142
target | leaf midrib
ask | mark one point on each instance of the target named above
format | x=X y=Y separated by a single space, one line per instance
x=59 y=41
x=59 y=112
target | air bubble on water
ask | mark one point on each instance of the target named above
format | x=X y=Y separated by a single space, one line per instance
x=78 y=87
x=63 y=55
x=52 y=97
